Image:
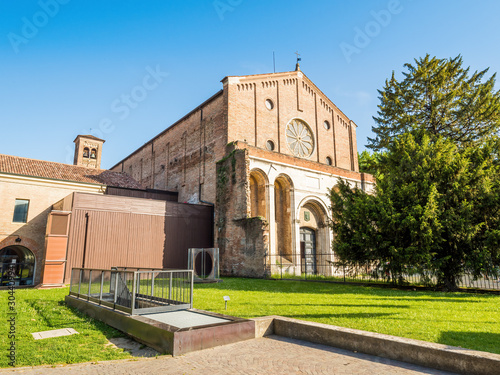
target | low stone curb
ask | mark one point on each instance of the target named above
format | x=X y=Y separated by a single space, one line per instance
x=437 y=356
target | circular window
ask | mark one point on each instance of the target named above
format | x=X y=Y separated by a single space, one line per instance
x=328 y=160
x=299 y=138
x=269 y=104
x=326 y=124
x=270 y=145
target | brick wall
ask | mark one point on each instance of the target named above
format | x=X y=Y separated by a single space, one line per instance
x=243 y=241
x=292 y=95
x=304 y=163
x=183 y=157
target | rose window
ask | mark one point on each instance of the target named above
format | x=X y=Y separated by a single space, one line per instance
x=299 y=138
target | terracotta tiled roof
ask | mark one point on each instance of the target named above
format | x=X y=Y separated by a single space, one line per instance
x=47 y=169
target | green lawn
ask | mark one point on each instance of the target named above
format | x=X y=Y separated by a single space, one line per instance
x=43 y=310
x=459 y=319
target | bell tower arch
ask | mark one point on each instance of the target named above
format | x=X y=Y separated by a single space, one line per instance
x=88 y=151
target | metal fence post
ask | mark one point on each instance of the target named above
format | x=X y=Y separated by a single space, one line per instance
x=80 y=282
x=137 y=283
x=133 y=293
x=90 y=282
x=102 y=286
x=152 y=284
x=170 y=286
x=115 y=291
x=71 y=281
x=192 y=282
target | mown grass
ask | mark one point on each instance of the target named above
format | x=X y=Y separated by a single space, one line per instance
x=44 y=310
x=459 y=319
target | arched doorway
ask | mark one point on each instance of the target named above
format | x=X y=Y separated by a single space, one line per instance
x=258 y=194
x=308 y=251
x=18 y=261
x=283 y=219
x=316 y=252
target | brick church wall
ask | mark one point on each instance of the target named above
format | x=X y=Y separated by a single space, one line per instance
x=191 y=157
x=242 y=241
x=293 y=96
x=183 y=157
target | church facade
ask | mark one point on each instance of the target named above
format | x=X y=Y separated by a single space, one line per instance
x=264 y=151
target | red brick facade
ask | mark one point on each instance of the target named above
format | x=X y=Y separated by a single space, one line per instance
x=293 y=95
x=183 y=157
x=258 y=114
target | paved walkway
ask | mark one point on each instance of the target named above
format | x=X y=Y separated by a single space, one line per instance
x=270 y=355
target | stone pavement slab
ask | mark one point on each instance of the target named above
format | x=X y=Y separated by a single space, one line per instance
x=267 y=355
x=54 y=333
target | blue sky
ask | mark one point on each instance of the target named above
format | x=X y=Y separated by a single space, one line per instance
x=128 y=69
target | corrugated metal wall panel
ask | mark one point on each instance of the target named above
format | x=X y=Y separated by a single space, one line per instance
x=119 y=204
x=186 y=226
x=126 y=239
x=75 y=242
x=146 y=250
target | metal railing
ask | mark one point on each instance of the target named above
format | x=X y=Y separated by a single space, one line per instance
x=322 y=267
x=134 y=292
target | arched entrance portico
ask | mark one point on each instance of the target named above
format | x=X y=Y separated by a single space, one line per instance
x=258 y=194
x=316 y=255
x=18 y=261
x=308 y=251
x=283 y=218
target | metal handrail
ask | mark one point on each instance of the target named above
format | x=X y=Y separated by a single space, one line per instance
x=145 y=294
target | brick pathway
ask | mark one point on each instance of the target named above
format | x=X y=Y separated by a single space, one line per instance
x=270 y=355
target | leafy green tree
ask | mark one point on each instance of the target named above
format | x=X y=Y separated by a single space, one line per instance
x=435 y=211
x=440 y=97
x=367 y=162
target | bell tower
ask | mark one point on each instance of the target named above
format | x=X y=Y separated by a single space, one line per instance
x=88 y=151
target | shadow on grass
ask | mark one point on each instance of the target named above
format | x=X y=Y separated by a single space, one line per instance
x=331 y=305
x=348 y=316
x=486 y=341
x=436 y=299
x=56 y=314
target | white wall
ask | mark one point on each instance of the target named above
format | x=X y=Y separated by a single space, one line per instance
x=308 y=185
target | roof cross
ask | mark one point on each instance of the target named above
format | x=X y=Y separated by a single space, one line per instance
x=297 y=67
x=298 y=58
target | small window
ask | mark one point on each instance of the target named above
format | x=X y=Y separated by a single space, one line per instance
x=86 y=152
x=326 y=124
x=269 y=104
x=21 y=211
x=270 y=145
x=93 y=154
x=328 y=160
